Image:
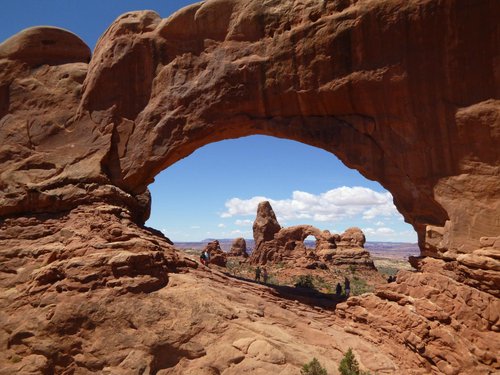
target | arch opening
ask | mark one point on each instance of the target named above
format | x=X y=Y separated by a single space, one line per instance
x=214 y=193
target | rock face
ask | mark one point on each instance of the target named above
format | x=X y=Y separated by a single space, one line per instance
x=352 y=237
x=265 y=225
x=238 y=248
x=421 y=117
x=217 y=255
x=287 y=244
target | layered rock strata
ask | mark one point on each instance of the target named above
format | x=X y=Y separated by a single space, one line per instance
x=406 y=92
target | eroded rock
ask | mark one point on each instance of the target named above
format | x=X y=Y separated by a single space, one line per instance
x=287 y=244
x=238 y=248
x=80 y=142
x=217 y=255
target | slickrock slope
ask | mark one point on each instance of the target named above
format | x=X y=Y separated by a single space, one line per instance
x=405 y=91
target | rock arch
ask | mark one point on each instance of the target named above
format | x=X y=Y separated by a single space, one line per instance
x=406 y=92
x=403 y=108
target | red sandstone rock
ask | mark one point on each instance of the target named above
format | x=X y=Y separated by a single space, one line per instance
x=79 y=143
x=265 y=225
x=238 y=248
x=287 y=245
x=352 y=237
x=41 y=45
x=217 y=255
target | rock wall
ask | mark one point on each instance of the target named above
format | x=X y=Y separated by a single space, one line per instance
x=406 y=92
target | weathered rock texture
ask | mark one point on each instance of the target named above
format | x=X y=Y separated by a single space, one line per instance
x=238 y=248
x=217 y=255
x=265 y=225
x=406 y=92
x=276 y=244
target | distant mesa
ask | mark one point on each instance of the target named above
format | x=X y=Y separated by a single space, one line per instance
x=276 y=244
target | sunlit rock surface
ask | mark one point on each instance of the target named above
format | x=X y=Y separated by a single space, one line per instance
x=406 y=92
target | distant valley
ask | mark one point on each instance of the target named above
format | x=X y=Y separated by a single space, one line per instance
x=394 y=250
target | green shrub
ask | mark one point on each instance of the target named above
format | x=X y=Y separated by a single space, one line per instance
x=304 y=281
x=321 y=284
x=350 y=366
x=313 y=368
x=359 y=286
x=234 y=266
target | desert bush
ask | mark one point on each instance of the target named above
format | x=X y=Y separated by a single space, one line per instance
x=234 y=266
x=359 y=286
x=349 y=365
x=304 y=281
x=313 y=368
x=321 y=284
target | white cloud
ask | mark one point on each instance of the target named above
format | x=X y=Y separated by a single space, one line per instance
x=240 y=232
x=236 y=206
x=379 y=223
x=221 y=225
x=336 y=204
x=195 y=227
x=384 y=231
x=243 y=223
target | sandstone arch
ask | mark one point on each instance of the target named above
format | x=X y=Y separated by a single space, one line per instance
x=318 y=74
x=405 y=92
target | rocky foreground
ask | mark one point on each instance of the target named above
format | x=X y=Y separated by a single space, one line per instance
x=89 y=291
x=405 y=91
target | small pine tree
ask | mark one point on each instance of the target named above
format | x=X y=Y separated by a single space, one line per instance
x=313 y=368
x=350 y=366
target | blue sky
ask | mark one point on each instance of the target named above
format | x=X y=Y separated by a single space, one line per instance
x=214 y=192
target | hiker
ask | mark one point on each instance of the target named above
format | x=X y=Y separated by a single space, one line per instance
x=202 y=258
x=265 y=275
x=207 y=256
x=257 y=274
x=347 y=287
x=338 y=290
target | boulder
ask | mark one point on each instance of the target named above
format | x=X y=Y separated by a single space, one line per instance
x=352 y=237
x=217 y=255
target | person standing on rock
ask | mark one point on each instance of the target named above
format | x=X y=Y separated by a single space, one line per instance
x=347 y=286
x=207 y=257
x=265 y=275
x=338 y=290
x=257 y=274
